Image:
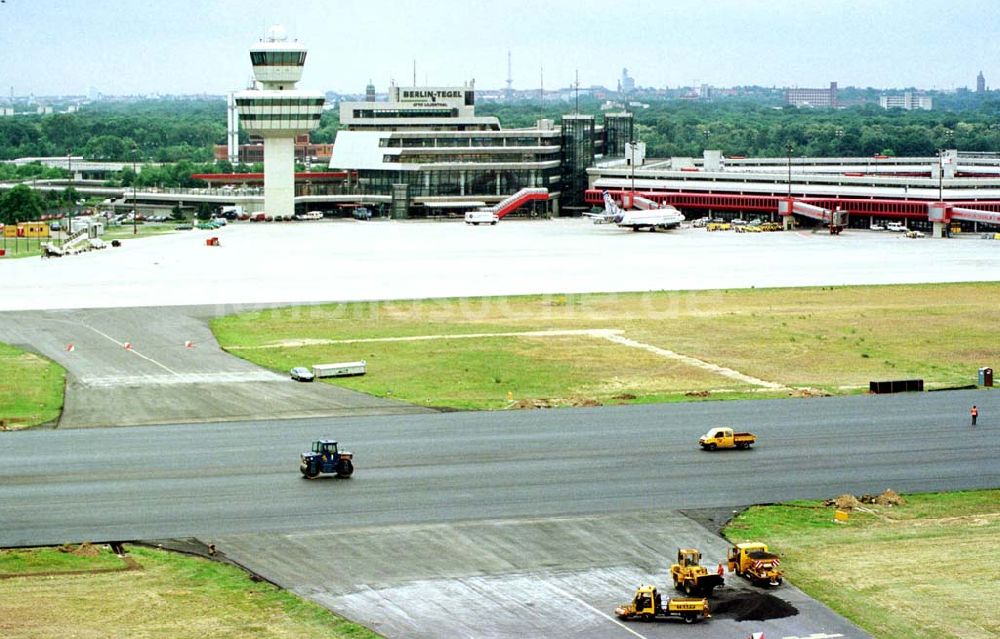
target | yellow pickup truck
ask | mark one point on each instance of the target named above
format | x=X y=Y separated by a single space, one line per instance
x=726 y=438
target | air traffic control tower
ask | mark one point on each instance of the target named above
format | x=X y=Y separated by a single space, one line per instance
x=277 y=112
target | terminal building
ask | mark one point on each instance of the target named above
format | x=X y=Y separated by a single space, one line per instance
x=425 y=152
x=871 y=190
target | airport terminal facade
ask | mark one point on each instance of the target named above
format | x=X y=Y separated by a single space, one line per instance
x=425 y=152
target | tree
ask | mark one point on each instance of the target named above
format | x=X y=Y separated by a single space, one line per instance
x=176 y=213
x=20 y=204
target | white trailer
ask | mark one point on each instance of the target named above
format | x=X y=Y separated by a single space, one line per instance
x=341 y=369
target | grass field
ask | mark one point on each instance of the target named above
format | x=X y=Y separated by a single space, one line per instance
x=926 y=568
x=31 y=388
x=805 y=340
x=171 y=597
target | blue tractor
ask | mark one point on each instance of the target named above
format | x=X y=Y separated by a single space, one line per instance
x=325 y=458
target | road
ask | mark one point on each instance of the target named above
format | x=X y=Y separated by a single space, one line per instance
x=188 y=480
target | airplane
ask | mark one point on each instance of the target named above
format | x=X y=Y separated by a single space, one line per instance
x=648 y=214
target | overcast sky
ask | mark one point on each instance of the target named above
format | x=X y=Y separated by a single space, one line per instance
x=195 y=46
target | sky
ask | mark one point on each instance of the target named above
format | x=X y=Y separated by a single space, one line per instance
x=127 y=47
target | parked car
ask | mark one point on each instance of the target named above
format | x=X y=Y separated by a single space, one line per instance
x=362 y=213
x=876 y=227
x=896 y=226
x=301 y=374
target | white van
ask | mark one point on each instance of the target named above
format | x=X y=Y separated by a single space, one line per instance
x=482 y=216
x=896 y=226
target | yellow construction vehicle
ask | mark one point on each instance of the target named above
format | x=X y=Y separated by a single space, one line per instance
x=647 y=605
x=753 y=561
x=691 y=577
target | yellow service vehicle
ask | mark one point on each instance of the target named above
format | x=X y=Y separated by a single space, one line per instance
x=753 y=561
x=690 y=576
x=726 y=438
x=649 y=606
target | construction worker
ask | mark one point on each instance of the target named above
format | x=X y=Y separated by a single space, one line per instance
x=721 y=571
x=974 y=413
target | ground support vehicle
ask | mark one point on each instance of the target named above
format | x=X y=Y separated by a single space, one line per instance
x=648 y=605
x=753 y=561
x=325 y=458
x=691 y=577
x=485 y=216
x=726 y=438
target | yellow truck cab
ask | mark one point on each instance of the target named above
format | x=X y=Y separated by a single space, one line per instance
x=726 y=438
x=648 y=605
x=753 y=561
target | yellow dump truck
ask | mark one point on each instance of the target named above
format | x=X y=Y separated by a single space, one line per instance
x=691 y=577
x=648 y=605
x=726 y=438
x=753 y=561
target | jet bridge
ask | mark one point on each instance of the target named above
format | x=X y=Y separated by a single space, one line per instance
x=942 y=213
x=836 y=220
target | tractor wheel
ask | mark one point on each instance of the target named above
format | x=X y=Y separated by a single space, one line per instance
x=711 y=446
x=308 y=472
x=688 y=589
x=677 y=584
x=688 y=618
x=345 y=469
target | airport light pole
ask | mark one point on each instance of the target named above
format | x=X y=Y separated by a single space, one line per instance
x=135 y=179
x=69 y=165
x=788 y=150
x=941 y=175
x=632 y=147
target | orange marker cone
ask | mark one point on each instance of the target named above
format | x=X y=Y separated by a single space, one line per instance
x=127 y=346
x=188 y=344
x=70 y=348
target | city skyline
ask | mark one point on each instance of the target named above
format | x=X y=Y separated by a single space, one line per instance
x=120 y=49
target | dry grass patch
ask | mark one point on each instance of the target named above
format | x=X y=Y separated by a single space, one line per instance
x=832 y=340
x=172 y=597
x=926 y=568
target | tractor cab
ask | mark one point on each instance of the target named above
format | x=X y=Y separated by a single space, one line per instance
x=325 y=457
x=646 y=602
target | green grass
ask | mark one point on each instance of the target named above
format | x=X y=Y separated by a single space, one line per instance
x=172 y=597
x=37 y=560
x=825 y=339
x=926 y=568
x=31 y=388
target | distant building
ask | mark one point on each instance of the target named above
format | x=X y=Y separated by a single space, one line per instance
x=980 y=83
x=5 y=111
x=627 y=83
x=816 y=98
x=906 y=100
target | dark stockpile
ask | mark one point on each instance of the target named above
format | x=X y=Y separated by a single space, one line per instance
x=748 y=605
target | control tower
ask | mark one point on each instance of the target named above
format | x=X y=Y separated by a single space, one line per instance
x=276 y=111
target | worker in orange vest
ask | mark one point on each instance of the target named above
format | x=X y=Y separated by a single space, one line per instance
x=721 y=571
x=974 y=413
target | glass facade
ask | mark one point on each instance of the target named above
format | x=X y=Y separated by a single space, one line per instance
x=277 y=58
x=577 y=155
x=618 y=130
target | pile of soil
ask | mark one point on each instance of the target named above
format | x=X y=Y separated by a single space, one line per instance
x=890 y=498
x=849 y=502
x=750 y=605
x=624 y=396
x=554 y=403
x=86 y=549
x=701 y=393
x=809 y=392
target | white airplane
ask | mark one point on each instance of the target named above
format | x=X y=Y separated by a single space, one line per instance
x=647 y=215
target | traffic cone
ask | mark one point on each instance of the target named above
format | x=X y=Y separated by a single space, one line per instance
x=70 y=348
x=188 y=344
x=127 y=346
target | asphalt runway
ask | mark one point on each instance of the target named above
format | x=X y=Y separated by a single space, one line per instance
x=237 y=485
